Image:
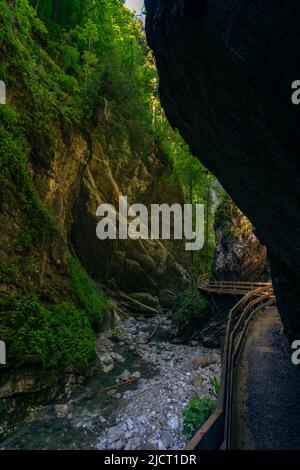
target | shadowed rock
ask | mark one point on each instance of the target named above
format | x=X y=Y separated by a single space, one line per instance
x=226 y=70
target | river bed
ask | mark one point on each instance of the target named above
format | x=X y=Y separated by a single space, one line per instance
x=146 y=414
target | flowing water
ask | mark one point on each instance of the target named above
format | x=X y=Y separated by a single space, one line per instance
x=95 y=416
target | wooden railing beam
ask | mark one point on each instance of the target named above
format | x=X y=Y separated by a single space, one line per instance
x=217 y=430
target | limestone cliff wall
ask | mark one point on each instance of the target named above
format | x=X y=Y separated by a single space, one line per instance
x=71 y=175
x=81 y=172
x=132 y=266
x=239 y=254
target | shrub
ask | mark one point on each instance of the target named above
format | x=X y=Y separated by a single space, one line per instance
x=46 y=337
x=190 y=309
x=89 y=295
x=199 y=410
x=196 y=413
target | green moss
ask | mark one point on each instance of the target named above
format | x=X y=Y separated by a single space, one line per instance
x=46 y=337
x=90 y=296
x=28 y=130
x=13 y=148
x=10 y=274
x=15 y=182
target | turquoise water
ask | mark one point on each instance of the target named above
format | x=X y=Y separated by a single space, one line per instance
x=91 y=410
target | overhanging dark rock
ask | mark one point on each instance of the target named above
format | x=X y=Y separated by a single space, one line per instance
x=226 y=70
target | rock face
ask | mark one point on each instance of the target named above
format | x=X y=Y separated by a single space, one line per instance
x=82 y=173
x=239 y=254
x=132 y=266
x=226 y=70
x=72 y=173
x=79 y=176
x=57 y=182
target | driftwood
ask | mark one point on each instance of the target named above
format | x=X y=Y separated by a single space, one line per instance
x=129 y=381
x=121 y=384
x=153 y=332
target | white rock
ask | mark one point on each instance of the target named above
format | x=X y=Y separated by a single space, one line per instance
x=136 y=375
x=173 y=423
x=108 y=369
x=129 y=424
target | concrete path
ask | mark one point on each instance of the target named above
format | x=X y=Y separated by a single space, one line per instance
x=267 y=398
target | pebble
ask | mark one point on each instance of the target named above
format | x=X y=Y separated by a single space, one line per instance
x=108 y=369
x=124 y=376
x=173 y=423
x=62 y=410
x=136 y=375
x=129 y=424
x=153 y=413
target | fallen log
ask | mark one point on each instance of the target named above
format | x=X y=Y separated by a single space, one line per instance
x=120 y=384
x=153 y=332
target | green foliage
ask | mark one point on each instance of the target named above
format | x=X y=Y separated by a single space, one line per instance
x=32 y=123
x=89 y=295
x=231 y=220
x=13 y=148
x=190 y=309
x=199 y=410
x=46 y=337
x=216 y=387
x=15 y=181
x=196 y=413
x=197 y=183
x=11 y=273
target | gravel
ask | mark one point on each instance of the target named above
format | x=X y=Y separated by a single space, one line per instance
x=152 y=415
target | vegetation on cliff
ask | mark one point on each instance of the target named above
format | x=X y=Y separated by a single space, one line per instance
x=89 y=295
x=231 y=220
x=69 y=67
x=239 y=255
x=47 y=337
x=190 y=311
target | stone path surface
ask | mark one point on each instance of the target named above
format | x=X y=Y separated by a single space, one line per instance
x=267 y=399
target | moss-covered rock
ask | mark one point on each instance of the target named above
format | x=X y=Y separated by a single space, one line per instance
x=239 y=254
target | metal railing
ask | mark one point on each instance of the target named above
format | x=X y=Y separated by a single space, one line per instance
x=216 y=432
x=229 y=287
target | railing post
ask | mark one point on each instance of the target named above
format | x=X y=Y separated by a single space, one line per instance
x=239 y=318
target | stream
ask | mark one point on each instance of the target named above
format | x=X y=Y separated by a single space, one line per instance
x=145 y=414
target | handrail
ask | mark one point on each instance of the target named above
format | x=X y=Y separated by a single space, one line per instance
x=216 y=432
x=229 y=287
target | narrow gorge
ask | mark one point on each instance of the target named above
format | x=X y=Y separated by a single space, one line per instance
x=125 y=342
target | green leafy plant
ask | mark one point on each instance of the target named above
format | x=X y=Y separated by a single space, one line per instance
x=58 y=336
x=216 y=387
x=199 y=410
x=196 y=413
x=91 y=298
x=190 y=310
